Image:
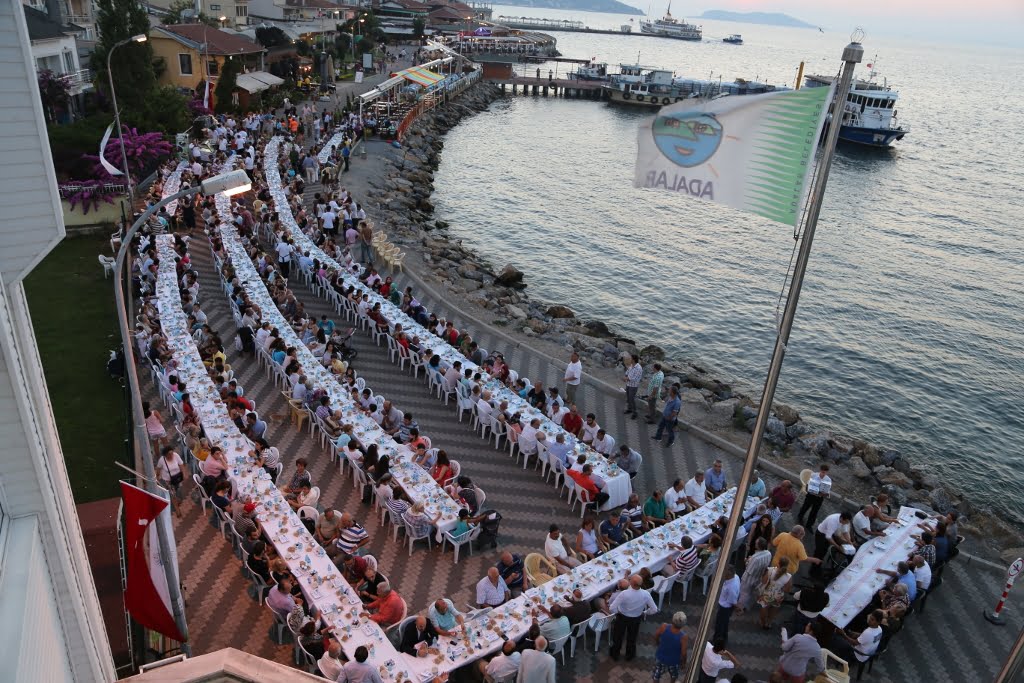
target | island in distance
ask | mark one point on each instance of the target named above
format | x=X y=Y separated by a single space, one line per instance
x=609 y=6
x=769 y=18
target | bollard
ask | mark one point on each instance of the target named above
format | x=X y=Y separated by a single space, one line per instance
x=1011 y=576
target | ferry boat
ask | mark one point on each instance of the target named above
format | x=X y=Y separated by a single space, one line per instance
x=869 y=114
x=670 y=27
x=734 y=39
x=648 y=86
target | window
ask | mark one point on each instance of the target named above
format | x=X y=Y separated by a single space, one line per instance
x=185 y=64
x=69 y=62
x=214 y=8
x=241 y=10
x=211 y=67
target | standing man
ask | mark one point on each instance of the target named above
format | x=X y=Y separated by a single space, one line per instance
x=573 y=374
x=669 y=417
x=365 y=242
x=631 y=605
x=634 y=373
x=727 y=600
x=536 y=665
x=818 y=489
x=654 y=383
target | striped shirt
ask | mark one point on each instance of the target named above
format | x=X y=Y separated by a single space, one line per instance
x=634 y=374
x=687 y=560
x=635 y=515
x=350 y=538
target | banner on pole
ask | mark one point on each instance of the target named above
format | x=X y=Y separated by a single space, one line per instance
x=750 y=152
x=107 y=166
x=146 y=596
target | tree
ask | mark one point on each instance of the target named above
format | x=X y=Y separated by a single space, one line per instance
x=419 y=26
x=271 y=36
x=54 y=93
x=132 y=65
x=226 y=83
x=183 y=12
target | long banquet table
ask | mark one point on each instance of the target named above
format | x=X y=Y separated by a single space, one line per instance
x=618 y=481
x=414 y=480
x=857 y=585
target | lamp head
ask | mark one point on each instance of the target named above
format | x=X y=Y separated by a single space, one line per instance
x=141 y=38
x=230 y=183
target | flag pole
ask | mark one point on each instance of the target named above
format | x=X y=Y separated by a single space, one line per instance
x=852 y=55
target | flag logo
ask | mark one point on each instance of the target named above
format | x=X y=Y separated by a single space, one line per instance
x=688 y=139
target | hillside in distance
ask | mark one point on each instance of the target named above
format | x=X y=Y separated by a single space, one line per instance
x=769 y=18
x=608 y=6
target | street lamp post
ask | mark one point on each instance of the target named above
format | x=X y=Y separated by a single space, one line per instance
x=140 y=38
x=233 y=182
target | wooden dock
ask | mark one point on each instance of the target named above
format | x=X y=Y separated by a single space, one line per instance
x=557 y=87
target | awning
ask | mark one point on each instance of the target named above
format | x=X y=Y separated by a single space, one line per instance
x=421 y=76
x=257 y=81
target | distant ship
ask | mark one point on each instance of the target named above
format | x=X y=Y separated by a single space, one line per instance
x=734 y=39
x=670 y=27
x=869 y=115
x=649 y=86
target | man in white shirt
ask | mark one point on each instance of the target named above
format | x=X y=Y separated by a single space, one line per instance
x=491 y=590
x=819 y=487
x=329 y=217
x=558 y=411
x=504 y=665
x=716 y=659
x=284 y=254
x=695 y=491
x=330 y=664
x=675 y=497
x=922 y=572
x=834 y=530
x=536 y=665
x=452 y=376
x=865 y=643
x=573 y=374
x=603 y=443
x=555 y=550
x=630 y=605
x=590 y=429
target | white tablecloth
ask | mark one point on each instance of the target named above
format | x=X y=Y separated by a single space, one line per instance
x=618 y=481
x=325 y=152
x=413 y=479
x=856 y=585
x=172 y=184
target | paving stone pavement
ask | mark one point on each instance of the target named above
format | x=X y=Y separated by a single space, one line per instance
x=949 y=642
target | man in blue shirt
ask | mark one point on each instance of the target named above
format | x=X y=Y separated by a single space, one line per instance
x=326 y=325
x=757 y=487
x=613 y=529
x=511 y=569
x=727 y=600
x=714 y=479
x=905 y=576
x=560 y=450
x=669 y=416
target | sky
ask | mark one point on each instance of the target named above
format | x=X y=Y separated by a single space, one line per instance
x=999 y=21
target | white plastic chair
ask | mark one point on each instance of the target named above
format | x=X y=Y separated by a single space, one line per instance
x=108 y=265
x=309 y=512
x=599 y=623
x=465 y=538
x=413 y=537
x=662 y=586
x=557 y=647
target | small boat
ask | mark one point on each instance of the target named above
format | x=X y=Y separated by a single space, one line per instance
x=734 y=39
x=591 y=72
x=869 y=114
x=670 y=27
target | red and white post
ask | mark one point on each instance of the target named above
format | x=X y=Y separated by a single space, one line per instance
x=1011 y=576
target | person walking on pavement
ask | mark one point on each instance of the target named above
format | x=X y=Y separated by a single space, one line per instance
x=728 y=598
x=669 y=417
x=634 y=373
x=365 y=242
x=346 y=152
x=630 y=605
x=654 y=383
x=573 y=374
x=819 y=487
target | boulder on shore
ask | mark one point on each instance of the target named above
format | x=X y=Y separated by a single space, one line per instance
x=510 y=276
x=788 y=415
x=859 y=468
x=559 y=311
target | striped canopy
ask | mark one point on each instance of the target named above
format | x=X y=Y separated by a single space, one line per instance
x=420 y=75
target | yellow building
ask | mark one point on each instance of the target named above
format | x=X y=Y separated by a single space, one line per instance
x=196 y=52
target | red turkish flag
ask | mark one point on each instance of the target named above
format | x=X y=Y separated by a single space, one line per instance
x=147 y=604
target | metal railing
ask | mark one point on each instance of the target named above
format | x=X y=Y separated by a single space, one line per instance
x=69 y=189
x=439 y=97
x=78 y=79
x=79 y=19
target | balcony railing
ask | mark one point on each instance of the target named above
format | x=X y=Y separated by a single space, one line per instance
x=79 y=19
x=78 y=79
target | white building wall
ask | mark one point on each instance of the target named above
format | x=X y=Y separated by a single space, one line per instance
x=63 y=638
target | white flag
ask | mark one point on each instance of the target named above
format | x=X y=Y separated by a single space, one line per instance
x=751 y=152
x=107 y=166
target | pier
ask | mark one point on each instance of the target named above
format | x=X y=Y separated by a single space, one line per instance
x=558 y=87
x=564 y=26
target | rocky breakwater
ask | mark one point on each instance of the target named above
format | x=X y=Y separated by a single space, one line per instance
x=859 y=468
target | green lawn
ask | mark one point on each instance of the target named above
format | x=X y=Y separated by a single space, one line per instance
x=73 y=315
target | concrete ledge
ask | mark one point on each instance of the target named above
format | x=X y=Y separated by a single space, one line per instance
x=229 y=664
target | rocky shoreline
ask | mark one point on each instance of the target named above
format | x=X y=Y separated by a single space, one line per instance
x=860 y=468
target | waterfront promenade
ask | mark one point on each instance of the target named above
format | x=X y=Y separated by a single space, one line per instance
x=949 y=642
